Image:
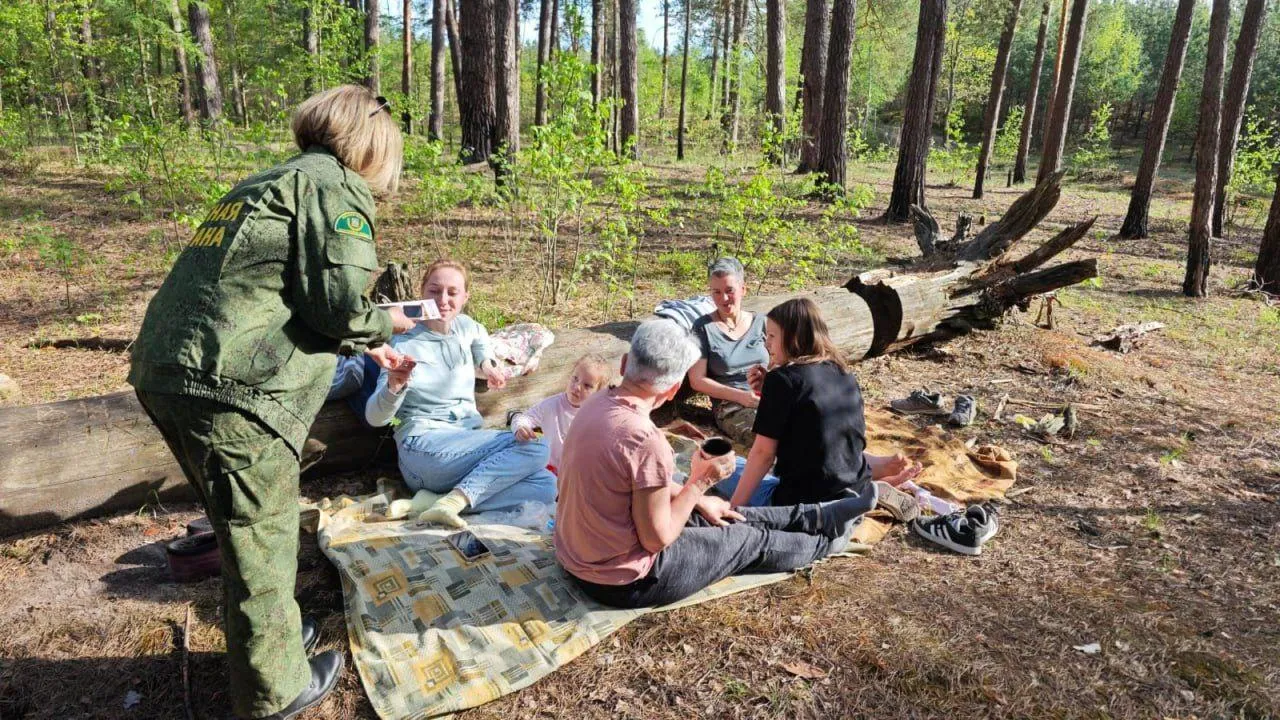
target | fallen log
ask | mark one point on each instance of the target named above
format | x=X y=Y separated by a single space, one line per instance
x=81 y=458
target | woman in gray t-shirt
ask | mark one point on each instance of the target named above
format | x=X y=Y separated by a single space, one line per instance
x=732 y=342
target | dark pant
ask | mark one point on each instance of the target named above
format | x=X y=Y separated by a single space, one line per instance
x=247 y=479
x=772 y=539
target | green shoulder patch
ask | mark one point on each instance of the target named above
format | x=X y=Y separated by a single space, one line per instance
x=353 y=224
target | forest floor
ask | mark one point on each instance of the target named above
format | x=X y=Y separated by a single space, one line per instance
x=1152 y=533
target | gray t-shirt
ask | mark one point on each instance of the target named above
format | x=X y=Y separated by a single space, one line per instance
x=727 y=359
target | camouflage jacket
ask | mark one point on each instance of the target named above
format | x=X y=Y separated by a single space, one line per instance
x=269 y=289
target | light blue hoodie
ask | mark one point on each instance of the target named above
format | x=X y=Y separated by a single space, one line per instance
x=441 y=393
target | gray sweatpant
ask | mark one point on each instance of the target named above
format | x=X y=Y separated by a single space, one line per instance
x=772 y=539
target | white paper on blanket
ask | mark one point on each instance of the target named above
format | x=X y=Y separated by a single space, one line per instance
x=518 y=348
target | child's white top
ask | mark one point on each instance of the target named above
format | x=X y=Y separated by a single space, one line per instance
x=553 y=415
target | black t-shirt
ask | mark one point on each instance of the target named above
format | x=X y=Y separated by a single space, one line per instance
x=814 y=411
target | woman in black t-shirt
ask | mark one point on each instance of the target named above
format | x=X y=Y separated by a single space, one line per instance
x=810 y=418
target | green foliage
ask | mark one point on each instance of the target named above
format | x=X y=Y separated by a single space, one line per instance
x=1005 y=148
x=956 y=159
x=1094 y=155
x=1253 y=176
x=57 y=253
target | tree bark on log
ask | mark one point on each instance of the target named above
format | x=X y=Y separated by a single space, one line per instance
x=1251 y=23
x=1135 y=220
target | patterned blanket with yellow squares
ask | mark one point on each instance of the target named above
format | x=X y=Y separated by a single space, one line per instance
x=433 y=633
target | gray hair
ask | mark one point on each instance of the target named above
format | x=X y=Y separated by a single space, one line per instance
x=660 y=355
x=727 y=267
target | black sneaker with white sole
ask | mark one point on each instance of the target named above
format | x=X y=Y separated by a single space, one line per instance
x=953 y=532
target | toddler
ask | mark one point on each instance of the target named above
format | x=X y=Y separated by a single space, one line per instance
x=553 y=415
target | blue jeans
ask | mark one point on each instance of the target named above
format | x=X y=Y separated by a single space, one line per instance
x=763 y=495
x=493 y=469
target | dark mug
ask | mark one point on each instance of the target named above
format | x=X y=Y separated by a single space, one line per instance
x=716 y=447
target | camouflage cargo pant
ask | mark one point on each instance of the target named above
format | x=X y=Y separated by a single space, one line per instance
x=736 y=421
x=247 y=478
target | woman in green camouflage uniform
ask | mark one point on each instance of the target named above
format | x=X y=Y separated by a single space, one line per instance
x=235 y=356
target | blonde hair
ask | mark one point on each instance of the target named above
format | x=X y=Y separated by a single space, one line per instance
x=353 y=125
x=441 y=265
x=597 y=361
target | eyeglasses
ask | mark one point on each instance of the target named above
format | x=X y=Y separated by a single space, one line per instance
x=383 y=104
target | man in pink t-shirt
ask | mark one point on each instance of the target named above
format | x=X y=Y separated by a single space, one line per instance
x=630 y=535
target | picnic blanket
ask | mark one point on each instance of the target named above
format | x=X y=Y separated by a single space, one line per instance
x=432 y=634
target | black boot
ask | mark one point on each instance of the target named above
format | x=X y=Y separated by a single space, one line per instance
x=326 y=668
x=310 y=633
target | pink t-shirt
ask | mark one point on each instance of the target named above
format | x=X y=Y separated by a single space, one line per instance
x=612 y=448
x=554 y=416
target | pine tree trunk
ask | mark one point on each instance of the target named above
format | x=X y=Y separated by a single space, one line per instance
x=455 y=49
x=372 y=31
x=813 y=73
x=476 y=98
x=684 y=78
x=1057 y=69
x=715 y=65
x=917 y=127
x=206 y=65
x=597 y=52
x=1033 y=97
x=180 y=65
x=991 y=118
x=735 y=93
x=1199 y=235
x=554 y=48
x=238 y=105
x=835 y=118
x=1233 y=102
x=1055 y=136
x=775 y=67
x=310 y=45
x=406 y=66
x=666 y=16
x=615 y=111
x=1267 y=270
x=544 y=56
x=435 y=123
x=726 y=60
x=628 y=80
x=506 y=71
x=1135 y=219
x=89 y=69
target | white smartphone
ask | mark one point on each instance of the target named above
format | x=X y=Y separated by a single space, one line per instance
x=416 y=309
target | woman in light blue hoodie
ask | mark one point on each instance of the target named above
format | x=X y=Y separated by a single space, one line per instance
x=441 y=443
